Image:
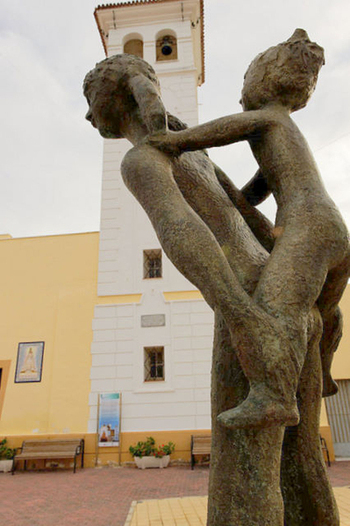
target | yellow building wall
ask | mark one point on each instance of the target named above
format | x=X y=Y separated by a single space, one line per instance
x=48 y=292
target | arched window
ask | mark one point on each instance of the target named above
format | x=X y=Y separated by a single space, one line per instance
x=166 y=46
x=134 y=47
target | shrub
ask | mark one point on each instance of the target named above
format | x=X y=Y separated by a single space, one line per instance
x=165 y=449
x=148 y=449
x=6 y=453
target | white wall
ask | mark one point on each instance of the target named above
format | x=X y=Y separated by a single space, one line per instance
x=182 y=401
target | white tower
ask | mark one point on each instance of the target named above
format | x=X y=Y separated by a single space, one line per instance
x=152 y=331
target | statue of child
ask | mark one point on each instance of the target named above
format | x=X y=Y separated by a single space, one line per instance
x=310 y=261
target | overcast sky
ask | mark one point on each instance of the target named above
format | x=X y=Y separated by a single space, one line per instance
x=52 y=158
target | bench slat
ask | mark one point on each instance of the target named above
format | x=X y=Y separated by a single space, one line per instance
x=45 y=454
x=51 y=443
x=201 y=450
x=48 y=448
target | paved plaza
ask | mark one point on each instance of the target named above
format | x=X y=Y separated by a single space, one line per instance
x=104 y=496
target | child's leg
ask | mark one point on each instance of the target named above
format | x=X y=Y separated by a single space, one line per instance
x=287 y=290
x=332 y=333
x=194 y=250
x=332 y=318
x=290 y=284
x=186 y=239
x=304 y=279
x=214 y=207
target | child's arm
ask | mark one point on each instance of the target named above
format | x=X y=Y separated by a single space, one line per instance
x=226 y=130
x=261 y=227
x=150 y=104
x=257 y=189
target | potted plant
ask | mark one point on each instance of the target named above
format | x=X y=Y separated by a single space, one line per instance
x=6 y=456
x=147 y=455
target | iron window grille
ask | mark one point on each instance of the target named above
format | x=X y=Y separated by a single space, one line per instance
x=152 y=264
x=154 y=364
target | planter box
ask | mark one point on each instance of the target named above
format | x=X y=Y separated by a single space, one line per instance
x=152 y=462
x=5 y=465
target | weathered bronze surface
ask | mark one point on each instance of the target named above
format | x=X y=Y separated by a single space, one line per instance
x=274 y=289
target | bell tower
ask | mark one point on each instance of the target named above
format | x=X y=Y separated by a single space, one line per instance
x=168 y=34
x=145 y=306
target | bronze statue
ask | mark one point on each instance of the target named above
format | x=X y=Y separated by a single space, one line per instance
x=273 y=289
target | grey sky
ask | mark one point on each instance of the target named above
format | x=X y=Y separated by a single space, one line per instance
x=52 y=158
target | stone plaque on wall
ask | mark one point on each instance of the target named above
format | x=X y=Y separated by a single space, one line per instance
x=153 y=320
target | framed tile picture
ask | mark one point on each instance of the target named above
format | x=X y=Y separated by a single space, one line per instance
x=29 y=362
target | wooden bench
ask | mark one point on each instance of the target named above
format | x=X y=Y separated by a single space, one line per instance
x=200 y=445
x=49 y=449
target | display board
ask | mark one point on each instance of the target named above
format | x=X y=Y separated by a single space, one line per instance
x=109 y=419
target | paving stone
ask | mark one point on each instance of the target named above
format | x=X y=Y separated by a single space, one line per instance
x=96 y=497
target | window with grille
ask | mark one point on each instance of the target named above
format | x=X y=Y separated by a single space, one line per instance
x=152 y=264
x=154 y=364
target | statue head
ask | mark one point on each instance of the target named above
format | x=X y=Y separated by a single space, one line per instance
x=286 y=73
x=123 y=92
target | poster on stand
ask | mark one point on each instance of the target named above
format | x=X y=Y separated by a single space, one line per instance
x=109 y=419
